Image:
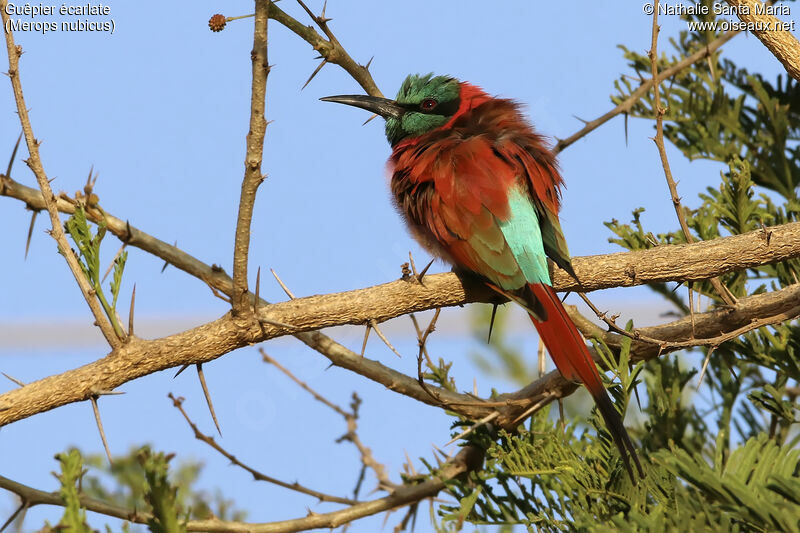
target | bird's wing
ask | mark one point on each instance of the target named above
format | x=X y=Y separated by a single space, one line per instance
x=539 y=168
x=481 y=211
x=555 y=245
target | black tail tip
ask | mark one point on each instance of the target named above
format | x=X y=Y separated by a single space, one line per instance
x=620 y=436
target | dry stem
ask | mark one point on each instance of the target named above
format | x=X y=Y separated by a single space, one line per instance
x=114 y=338
x=627 y=105
x=726 y=296
x=258 y=476
x=253 y=160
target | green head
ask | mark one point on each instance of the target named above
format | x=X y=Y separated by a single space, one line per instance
x=430 y=101
x=423 y=103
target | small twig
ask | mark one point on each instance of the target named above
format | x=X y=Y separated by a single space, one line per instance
x=97 y=419
x=330 y=49
x=367 y=459
x=258 y=476
x=114 y=260
x=628 y=103
x=30 y=232
x=705 y=366
x=130 y=313
x=422 y=340
x=419 y=338
x=282 y=284
x=35 y=164
x=380 y=334
x=366 y=338
x=15 y=380
x=412 y=263
x=268 y=359
x=362 y=474
x=22 y=506
x=662 y=152
x=612 y=324
x=410 y=516
x=218 y=294
x=483 y=421
x=207 y=394
x=351 y=418
x=469 y=458
x=535 y=407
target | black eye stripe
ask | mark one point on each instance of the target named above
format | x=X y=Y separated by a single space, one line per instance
x=445 y=109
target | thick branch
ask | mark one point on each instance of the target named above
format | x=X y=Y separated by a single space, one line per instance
x=217 y=279
x=139 y=358
x=748 y=313
x=255 y=152
x=134 y=359
x=778 y=40
x=683 y=262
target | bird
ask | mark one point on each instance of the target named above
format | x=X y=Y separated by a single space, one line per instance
x=479 y=188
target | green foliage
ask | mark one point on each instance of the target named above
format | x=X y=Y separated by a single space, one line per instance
x=89 y=259
x=124 y=483
x=74 y=519
x=721 y=455
x=745 y=490
x=553 y=475
x=159 y=493
x=143 y=481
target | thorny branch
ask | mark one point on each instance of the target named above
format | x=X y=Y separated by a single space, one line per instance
x=350 y=417
x=253 y=160
x=258 y=476
x=627 y=105
x=468 y=459
x=330 y=50
x=303 y=315
x=114 y=338
x=712 y=328
x=723 y=291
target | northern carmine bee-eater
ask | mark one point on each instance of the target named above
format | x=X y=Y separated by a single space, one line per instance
x=481 y=190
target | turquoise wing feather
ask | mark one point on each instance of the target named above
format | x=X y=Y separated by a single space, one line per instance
x=524 y=236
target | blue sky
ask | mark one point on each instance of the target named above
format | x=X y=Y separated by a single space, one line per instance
x=159 y=109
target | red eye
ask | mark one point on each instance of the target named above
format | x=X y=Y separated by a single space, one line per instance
x=428 y=104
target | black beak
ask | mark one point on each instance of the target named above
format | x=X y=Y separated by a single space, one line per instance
x=381 y=106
